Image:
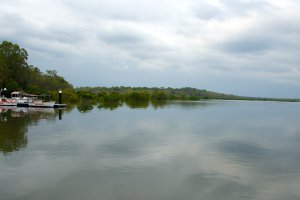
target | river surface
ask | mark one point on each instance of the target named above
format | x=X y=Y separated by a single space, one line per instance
x=212 y=150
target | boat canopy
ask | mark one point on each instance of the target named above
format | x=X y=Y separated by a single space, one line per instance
x=19 y=94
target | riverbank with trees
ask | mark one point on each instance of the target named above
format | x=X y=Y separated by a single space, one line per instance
x=16 y=74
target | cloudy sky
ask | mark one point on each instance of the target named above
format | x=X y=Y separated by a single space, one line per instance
x=243 y=47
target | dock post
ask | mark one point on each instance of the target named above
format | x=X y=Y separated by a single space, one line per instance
x=60 y=97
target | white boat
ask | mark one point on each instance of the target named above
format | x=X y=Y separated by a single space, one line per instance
x=8 y=102
x=22 y=98
x=30 y=100
x=42 y=104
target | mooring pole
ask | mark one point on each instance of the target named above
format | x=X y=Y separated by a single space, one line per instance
x=60 y=97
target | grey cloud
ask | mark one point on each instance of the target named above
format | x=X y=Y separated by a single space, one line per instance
x=141 y=46
x=268 y=35
x=122 y=38
x=51 y=39
x=241 y=7
x=12 y=23
x=248 y=44
x=128 y=10
x=69 y=35
x=206 y=10
x=150 y=50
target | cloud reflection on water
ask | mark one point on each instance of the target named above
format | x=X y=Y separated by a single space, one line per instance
x=223 y=150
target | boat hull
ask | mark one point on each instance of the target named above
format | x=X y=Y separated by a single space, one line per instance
x=42 y=104
x=37 y=104
x=23 y=104
x=7 y=102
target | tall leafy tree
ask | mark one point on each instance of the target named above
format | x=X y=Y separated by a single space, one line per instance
x=13 y=63
x=16 y=73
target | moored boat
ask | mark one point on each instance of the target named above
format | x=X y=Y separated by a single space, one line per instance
x=42 y=104
x=31 y=100
x=8 y=102
x=21 y=98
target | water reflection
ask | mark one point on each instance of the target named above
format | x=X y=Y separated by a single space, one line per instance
x=214 y=150
x=195 y=104
x=109 y=105
x=60 y=112
x=137 y=104
x=146 y=104
x=85 y=107
x=159 y=104
x=244 y=151
x=14 y=123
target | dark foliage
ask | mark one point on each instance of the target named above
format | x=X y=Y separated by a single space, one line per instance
x=17 y=74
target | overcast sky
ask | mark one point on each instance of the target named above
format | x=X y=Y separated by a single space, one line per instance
x=243 y=47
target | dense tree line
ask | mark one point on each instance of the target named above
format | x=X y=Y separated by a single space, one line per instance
x=157 y=94
x=132 y=95
x=17 y=74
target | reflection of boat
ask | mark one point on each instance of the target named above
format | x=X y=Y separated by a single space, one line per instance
x=21 y=111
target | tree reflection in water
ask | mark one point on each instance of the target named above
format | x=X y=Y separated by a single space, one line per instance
x=137 y=104
x=85 y=107
x=14 y=122
x=159 y=104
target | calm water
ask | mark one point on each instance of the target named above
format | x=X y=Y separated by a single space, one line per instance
x=178 y=151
